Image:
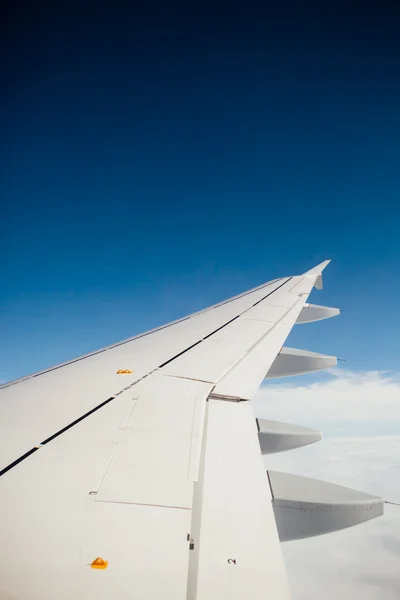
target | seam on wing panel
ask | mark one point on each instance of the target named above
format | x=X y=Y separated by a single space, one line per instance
x=187 y=378
x=261 y=320
x=52 y=437
x=221 y=327
x=64 y=429
x=270 y=486
x=123 y=429
x=144 y=504
x=179 y=354
x=18 y=460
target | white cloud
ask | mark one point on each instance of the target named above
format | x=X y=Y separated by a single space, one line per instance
x=347 y=396
x=359 y=415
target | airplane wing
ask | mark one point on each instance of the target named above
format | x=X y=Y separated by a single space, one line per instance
x=136 y=471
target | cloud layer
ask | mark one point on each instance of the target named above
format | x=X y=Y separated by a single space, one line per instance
x=359 y=416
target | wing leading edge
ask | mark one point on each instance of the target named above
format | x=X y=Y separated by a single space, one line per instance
x=157 y=471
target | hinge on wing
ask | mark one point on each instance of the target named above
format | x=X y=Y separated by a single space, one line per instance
x=190 y=539
x=226 y=398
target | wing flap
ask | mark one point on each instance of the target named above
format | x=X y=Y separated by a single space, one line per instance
x=246 y=377
x=156 y=460
x=146 y=548
x=236 y=550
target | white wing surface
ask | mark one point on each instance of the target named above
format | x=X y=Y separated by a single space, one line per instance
x=136 y=471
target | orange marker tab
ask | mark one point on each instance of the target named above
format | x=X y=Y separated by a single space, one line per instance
x=99 y=563
x=124 y=372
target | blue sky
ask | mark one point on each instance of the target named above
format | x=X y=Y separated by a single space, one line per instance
x=154 y=164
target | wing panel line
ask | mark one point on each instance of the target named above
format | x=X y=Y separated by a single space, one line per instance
x=17 y=461
x=55 y=435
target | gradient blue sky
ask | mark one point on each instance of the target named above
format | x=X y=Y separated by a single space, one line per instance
x=158 y=162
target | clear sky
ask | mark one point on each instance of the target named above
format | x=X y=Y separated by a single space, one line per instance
x=155 y=162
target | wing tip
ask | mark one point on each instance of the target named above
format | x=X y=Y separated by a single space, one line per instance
x=317 y=270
